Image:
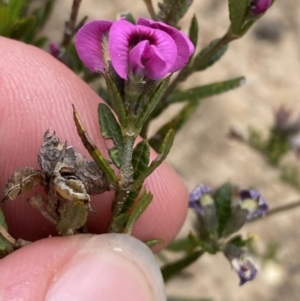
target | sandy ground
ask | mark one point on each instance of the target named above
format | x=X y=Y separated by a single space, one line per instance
x=272 y=69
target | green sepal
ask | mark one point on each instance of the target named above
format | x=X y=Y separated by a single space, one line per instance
x=222 y=198
x=153 y=101
x=140 y=162
x=237 y=14
x=139 y=208
x=195 y=94
x=119 y=222
x=110 y=129
x=116 y=100
x=193 y=31
x=199 y=64
x=176 y=123
x=182 y=245
x=162 y=154
x=237 y=220
x=171 y=269
x=5 y=246
x=74 y=218
x=93 y=150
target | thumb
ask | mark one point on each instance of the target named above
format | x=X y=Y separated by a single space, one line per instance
x=106 y=267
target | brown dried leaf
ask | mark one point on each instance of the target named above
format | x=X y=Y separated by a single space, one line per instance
x=22 y=182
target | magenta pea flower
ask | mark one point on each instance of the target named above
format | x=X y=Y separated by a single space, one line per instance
x=149 y=49
x=260 y=6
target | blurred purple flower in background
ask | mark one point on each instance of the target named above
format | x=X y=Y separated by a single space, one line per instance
x=150 y=49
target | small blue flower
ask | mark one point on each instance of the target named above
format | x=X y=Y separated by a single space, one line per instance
x=242 y=263
x=253 y=201
x=195 y=196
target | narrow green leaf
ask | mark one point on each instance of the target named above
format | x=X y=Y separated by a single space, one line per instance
x=15 y=9
x=162 y=154
x=116 y=100
x=140 y=207
x=119 y=222
x=237 y=14
x=5 y=246
x=172 y=11
x=193 y=32
x=199 y=64
x=238 y=241
x=140 y=162
x=20 y=28
x=171 y=269
x=110 y=129
x=153 y=101
x=128 y=17
x=205 y=91
x=93 y=150
x=176 y=123
x=182 y=245
x=222 y=199
x=4 y=19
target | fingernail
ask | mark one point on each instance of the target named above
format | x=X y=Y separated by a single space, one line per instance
x=109 y=267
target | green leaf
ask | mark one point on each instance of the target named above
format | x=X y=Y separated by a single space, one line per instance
x=139 y=208
x=15 y=9
x=183 y=244
x=205 y=91
x=176 y=123
x=116 y=100
x=162 y=154
x=5 y=246
x=222 y=199
x=193 y=32
x=20 y=28
x=172 y=11
x=153 y=101
x=128 y=17
x=153 y=242
x=110 y=129
x=237 y=14
x=140 y=162
x=238 y=241
x=171 y=269
x=201 y=64
x=119 y=222
x=93 y=150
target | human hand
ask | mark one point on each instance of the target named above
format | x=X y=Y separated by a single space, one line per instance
x=36 y=94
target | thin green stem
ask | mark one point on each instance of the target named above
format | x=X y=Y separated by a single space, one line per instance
x=279 y=209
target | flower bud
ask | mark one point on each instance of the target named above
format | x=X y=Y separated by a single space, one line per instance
x=260 y=6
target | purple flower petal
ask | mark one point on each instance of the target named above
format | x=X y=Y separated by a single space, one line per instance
x=91 y=44
x=160 y=53
x=145 y=59
x=260 y=206
x=185 y=47
x=54 y=49
x=260 y=6
x=195 y=196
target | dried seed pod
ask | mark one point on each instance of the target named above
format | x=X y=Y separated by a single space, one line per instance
x=22 y=181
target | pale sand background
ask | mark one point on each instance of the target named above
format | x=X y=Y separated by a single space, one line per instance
x=272 y=72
